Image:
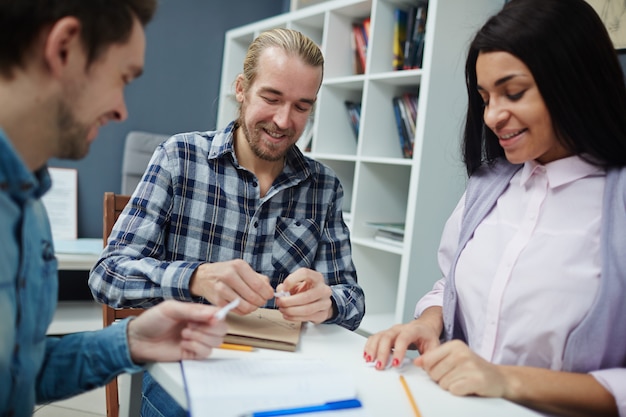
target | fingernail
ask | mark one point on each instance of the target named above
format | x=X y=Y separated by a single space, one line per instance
x=368 y=358
x=395 y=362
x=365 y=355
x=379 y=365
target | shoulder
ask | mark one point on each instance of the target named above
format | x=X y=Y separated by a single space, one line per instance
x=319 y=171
x=209 y=143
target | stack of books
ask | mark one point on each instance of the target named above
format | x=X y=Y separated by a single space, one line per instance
x=409 y=33
x=360 y=42
x=392 y=233
x=405 y=111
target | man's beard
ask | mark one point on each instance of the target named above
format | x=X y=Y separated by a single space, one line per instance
x=270 y=152
x=72 y=134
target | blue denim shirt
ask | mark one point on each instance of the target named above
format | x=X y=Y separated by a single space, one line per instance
x=33 y=367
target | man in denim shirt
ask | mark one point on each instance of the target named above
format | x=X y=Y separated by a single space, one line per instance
x=240 y=212
x=63 y=68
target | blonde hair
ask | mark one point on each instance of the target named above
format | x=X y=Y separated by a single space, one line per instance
x=294 y=43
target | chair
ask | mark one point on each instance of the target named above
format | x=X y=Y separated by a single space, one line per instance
x=113 y=206
x=138 y=149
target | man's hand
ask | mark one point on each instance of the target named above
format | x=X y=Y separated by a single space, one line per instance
x=309 y=299
x=423 y=333
x=175 y=330
x=222 y=282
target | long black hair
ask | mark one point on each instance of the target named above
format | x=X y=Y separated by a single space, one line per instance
x=568 y=50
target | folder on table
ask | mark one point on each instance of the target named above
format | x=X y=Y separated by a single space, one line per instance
x=263 y=328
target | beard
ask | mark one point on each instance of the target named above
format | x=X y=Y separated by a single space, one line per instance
x=72 y=139
x=265 y=150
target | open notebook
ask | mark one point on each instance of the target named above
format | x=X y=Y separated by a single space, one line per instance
x=263 y=328
x=223 y=386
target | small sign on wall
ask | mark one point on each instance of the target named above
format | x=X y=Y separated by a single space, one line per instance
x=61 y=203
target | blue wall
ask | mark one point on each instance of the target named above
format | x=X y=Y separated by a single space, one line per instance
x=178 y=91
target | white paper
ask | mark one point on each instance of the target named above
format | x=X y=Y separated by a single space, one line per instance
x=61 y=203
x=233 y=387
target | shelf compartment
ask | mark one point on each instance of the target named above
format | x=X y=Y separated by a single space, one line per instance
x=380 y=136
x=339 y=49
x=334 y=132
x=377 y=273
x=381 y=196
x=311 y=26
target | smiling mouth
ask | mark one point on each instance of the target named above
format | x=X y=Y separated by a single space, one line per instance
x=513 y=134
x=275 y=135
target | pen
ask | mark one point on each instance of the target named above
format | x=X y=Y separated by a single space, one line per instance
x=231 y=346
x=416 y=410
x=334 y=405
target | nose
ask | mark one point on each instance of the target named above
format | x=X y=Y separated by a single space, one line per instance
x=495 y=115
x=282 y=116
x=120 y=112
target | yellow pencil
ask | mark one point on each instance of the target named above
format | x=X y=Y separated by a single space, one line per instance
x=416 y=410
x=231 y=346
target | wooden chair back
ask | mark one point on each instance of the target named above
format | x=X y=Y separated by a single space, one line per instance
x=113 y=206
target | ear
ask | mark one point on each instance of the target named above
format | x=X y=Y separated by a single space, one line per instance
x=239 y=90
x=64 y=46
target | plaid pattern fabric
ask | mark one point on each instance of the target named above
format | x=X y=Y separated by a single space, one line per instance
x=196 y=204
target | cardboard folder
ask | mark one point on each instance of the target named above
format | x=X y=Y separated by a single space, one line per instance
x=263 y=328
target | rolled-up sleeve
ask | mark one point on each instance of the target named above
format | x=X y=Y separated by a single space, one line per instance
x=614 y=380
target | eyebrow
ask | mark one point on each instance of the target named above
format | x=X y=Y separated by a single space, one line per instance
x=500 y=81
x=279 y=93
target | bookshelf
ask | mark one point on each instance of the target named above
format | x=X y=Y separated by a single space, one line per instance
x=380 y=185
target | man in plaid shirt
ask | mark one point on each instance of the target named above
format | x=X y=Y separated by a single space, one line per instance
x=240 y=212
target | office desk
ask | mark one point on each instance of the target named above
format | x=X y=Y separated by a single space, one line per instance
x=380 y=391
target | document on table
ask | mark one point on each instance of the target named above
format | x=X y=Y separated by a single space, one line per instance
x=237 y=386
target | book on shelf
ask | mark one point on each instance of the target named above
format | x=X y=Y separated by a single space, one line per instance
x=394 y=227
x=410 y=102
x=414 y=45
x=388 y=232
x=354 y=116
x=263 y=328
x=389 y=237
x=366 y=29
x=399 y=38
x=408 y=121
x=410 y=24
x=360 y=47
x=406 y=141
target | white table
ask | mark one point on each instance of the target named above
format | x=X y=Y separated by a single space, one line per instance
x=380 y=391
x=83 y=315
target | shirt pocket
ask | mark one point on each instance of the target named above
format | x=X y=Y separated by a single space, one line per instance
x=295 y=244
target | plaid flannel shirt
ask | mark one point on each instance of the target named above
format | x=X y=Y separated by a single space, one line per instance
x=196 y=204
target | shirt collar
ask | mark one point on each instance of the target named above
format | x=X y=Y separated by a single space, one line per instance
x=560 y=172
x=16 y=178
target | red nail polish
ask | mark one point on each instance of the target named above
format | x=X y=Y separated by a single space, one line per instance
x=379 y=365
x=395 y=362
x=368 y=359
x=364 y=355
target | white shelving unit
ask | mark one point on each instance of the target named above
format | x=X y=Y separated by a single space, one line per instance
x=380 y=185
